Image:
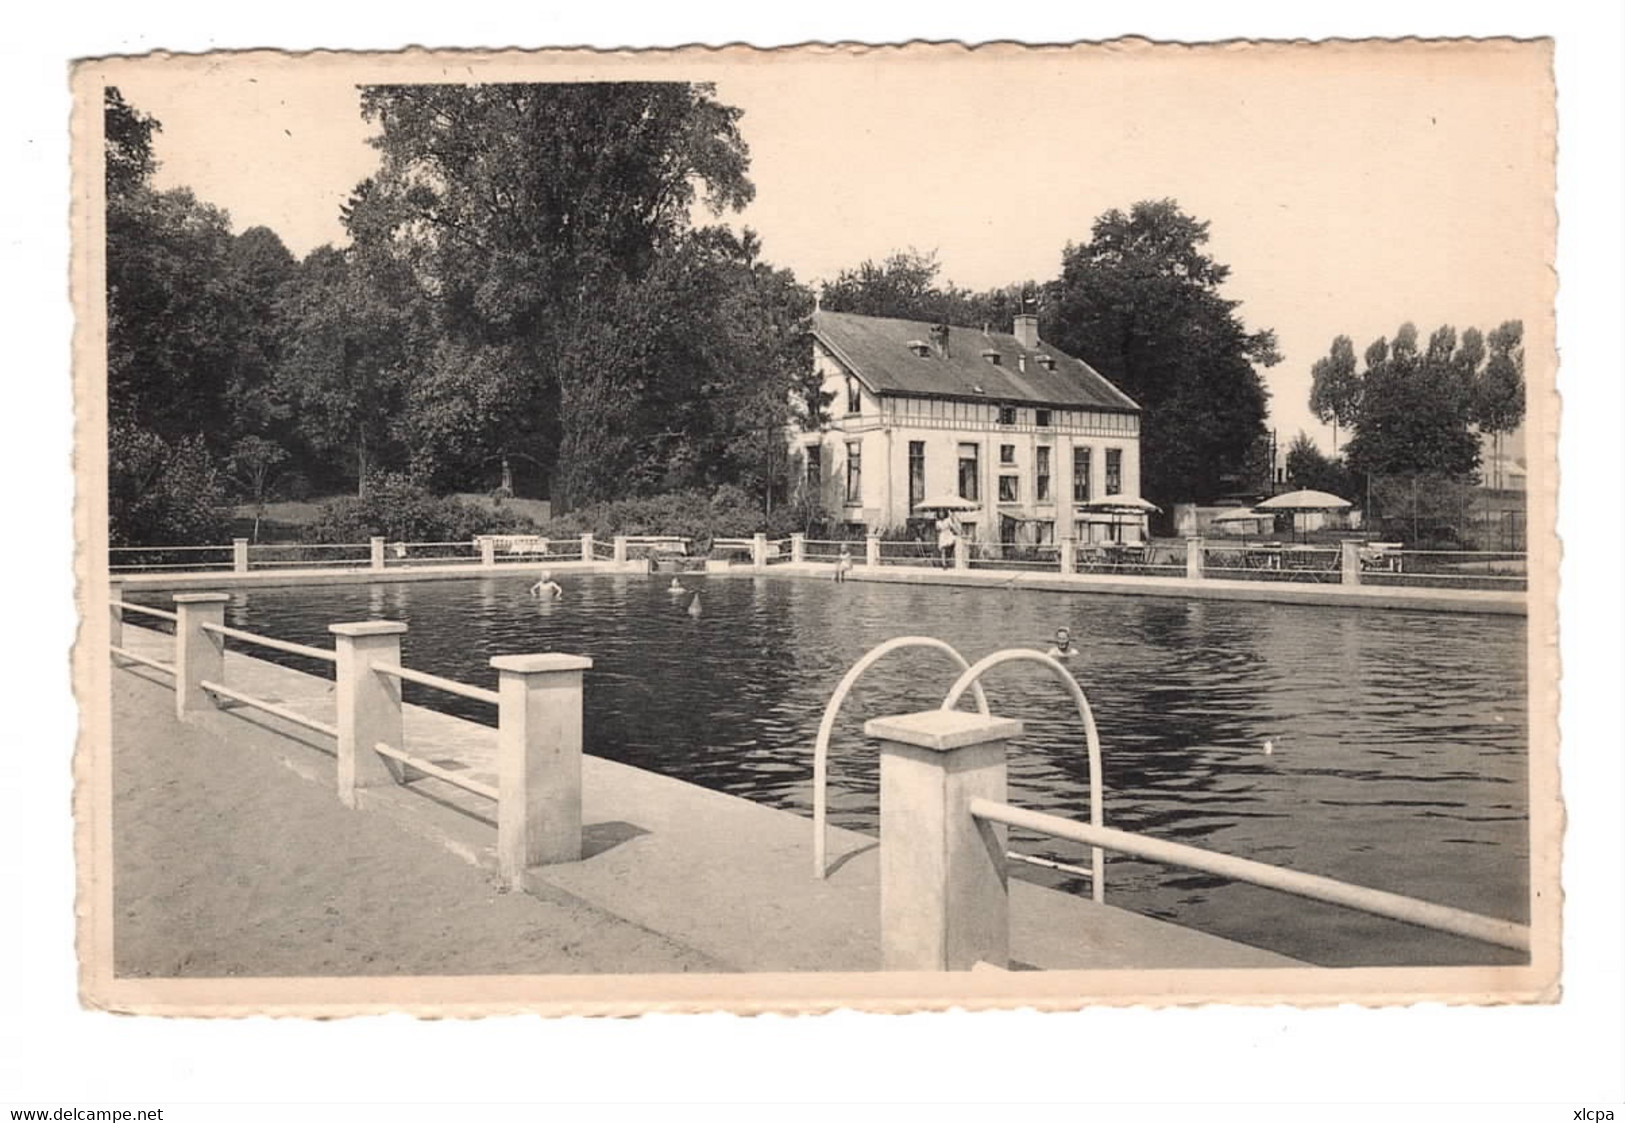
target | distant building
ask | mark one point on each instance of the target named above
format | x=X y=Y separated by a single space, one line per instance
x=1005 y=421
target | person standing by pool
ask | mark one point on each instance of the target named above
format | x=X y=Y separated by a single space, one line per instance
x=843 y=563
x=1062 y=648
x=547 y=588
x=947 y=535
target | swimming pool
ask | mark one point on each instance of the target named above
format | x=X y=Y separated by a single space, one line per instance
x=1398 y=741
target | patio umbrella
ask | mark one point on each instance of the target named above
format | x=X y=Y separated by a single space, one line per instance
x=1240 y=514
x=1121 y=505
x=1304 y=501
x=946 y=502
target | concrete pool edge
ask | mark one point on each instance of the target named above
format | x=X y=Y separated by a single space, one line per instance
x=1471 y=601
x=740 y=894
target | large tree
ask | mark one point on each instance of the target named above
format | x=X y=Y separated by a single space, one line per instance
x=1140 y=302
x=348 y=332
x=905 y=285
x=1417 y=411
x=529 y=215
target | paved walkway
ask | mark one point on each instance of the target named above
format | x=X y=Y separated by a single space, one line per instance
x=725 y=879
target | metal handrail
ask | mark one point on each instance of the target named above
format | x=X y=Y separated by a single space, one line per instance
x=275 y=644
x=127 y=606
x=304 y=546
x=162 y=549
x=1424 y=914
x=971 y=679
x=827 y=726
x=429 y=769
x=269 y=707
x=193 y=566
x=450 y=686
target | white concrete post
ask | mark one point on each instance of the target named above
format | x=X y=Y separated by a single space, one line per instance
x=115 y=615
x=538 y=761
x=377 y=553
x=1069 y=555
x=1193 y=559
x=944 y=890
x=369 y=704
x=620 y=547
x=586 y=547
x=871 y=551
x=758 y=551
x=239 y=555
x=488 y=551
x=962 y=549
x=798 y=548
x=199 y=655
x=1351 y=562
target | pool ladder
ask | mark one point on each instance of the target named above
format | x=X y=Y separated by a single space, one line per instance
x=968 y=680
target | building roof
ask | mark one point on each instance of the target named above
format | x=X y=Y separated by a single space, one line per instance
x=884 y=354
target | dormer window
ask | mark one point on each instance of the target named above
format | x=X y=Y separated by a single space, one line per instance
x=992 y=356
x=920 y=347
x=1047 y=362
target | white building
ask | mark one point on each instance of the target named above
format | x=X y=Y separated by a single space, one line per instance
x=1006 y=421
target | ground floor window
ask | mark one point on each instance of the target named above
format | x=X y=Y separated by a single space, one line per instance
x=1041 y=475
x=854 y=471
x=1044 y=533
x=916 y=474
x=970 y=472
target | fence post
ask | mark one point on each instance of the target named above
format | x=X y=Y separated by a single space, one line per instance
x=239 y=555
x=871 y=550
x=1351 y=562
x=377 y=553
x=944 y=889
x=115 y=614
x=758 y=551
x=798 y=548
x=963 y=545
x=199 y=655
x=586 y=547
x=369 y=704
x=538 y=761
x=1193 y=559
x=620 y=547
x=488 y=551
x=1069 y=555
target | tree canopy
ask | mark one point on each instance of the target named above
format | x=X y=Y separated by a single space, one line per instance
x=1139 y=302
x=1419 y=410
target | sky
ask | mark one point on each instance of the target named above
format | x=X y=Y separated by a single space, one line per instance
x=1350 y=188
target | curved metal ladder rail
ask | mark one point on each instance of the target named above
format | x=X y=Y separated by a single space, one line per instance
x=827 y=727
x=970 y=680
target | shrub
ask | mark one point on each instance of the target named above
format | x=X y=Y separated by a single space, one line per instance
x=396 y=507
x=161 y=494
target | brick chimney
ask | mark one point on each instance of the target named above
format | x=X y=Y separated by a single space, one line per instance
x=1026 y=330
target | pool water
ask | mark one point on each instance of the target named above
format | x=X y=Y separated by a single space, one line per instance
x=1398 y=740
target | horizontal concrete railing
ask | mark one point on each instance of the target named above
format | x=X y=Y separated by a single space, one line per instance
x=539 y=718
x=1349 y=562
x=944 y=881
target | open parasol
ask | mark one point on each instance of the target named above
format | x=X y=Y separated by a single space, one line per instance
x=1305 y=501
x=946 y=502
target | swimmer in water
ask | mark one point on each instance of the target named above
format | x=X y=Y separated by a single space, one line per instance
x=676 y=586
x=1063 y=648
x=547 y=588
